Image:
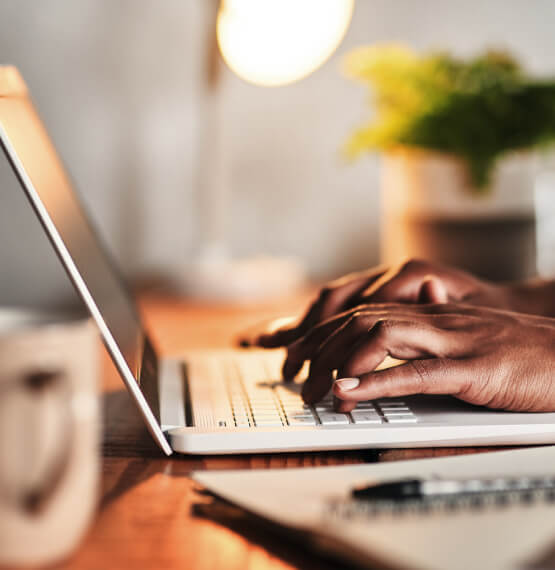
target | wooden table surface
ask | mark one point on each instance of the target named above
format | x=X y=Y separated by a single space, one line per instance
x=150 y=515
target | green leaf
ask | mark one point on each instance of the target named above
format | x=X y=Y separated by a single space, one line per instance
x=477 y=109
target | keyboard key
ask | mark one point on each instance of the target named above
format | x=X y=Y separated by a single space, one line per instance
x=296 y=407
x=242 y=422
x=333 y=419
x=365 y=406
x=365 y=410
x=265 y=415
x=302 y=421
x=284 y=395
x=363 y=418
x=300 y=414
x=263 y=404
x=410 y=419
x=268 y=422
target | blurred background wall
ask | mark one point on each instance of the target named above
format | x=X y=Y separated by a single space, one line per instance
x=118 y=85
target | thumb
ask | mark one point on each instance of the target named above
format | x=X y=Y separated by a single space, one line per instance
x=432 y=290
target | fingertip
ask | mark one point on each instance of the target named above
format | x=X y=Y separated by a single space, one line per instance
x=341 y=395
x=342 y=406
x=308 y=393
x=262 y=340
x=307 y=396
x=280 y=338
x=290 y=369
x=269 y=340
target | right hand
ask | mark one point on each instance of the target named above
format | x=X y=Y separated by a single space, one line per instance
x=412 y=281
x=487 y=357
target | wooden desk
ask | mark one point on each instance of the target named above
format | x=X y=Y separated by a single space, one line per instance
x=146 y=517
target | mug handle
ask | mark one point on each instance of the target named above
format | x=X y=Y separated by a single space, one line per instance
x=42 y=384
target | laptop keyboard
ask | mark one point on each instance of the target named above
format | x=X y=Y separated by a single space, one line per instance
x=250 y=400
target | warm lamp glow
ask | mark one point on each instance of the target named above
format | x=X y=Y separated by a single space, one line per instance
x=275 y=42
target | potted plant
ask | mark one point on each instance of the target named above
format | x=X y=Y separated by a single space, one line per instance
x=458 y=170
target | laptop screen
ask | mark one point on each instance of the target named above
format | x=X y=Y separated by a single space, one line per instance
x=37 y=165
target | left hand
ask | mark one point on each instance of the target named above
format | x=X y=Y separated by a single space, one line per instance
x=483 y=356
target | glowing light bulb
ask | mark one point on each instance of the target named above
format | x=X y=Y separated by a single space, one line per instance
x=275 y=42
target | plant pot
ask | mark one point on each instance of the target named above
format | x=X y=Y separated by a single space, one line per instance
x=430 y=210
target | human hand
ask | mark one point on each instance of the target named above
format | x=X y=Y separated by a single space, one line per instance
x=413 y=281
x=483 y=356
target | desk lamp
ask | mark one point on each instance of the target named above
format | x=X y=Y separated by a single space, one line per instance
x=267 y=43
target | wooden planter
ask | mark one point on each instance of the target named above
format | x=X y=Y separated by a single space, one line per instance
x=431 y=211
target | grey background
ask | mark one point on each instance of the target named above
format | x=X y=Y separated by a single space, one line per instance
x=117 y=83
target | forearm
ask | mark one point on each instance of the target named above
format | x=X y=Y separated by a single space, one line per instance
x=535 y=297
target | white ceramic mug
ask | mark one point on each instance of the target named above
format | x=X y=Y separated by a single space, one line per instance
x=49 y=427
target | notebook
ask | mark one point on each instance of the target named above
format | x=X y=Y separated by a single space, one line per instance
x=514 y=535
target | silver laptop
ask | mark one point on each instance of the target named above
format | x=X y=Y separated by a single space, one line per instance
x=220 y=401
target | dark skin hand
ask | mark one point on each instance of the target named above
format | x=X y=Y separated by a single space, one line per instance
x=478 y=341
x=411 y=281
x=483 y=356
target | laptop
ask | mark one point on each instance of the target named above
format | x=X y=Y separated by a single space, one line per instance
x=220 y=401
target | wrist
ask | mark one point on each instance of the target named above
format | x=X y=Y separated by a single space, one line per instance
x=536 y=297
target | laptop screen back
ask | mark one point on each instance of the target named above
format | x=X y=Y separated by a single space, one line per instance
x=33 y=157
x=29 y=149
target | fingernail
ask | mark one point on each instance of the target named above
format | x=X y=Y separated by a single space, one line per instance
x=346 y=384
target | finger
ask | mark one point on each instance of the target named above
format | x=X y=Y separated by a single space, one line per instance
x=277 y=338
x=432 y=376
x=320 y=376
x=402 y=283
x=332 y=299
x=288 y=335
x=300 y=350
x=343 y=406
x=346 y=291
x=432 y=290
x=361 y=345
x=331 y=353
x=304 y=348
x=403 y=340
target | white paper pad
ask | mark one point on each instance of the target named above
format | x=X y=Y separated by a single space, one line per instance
x=510 y=537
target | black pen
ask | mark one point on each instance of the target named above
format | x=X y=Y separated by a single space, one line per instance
x=415 y=489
